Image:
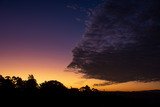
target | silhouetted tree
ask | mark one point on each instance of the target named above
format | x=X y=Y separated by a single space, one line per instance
x=19 y=83
x=53 y=87
x=74 y=91
x=1 y=81
x=2 y=84
x=31 y=82
x=31 y=85
x=94 y=90
x=85 y=89
x=8 y=84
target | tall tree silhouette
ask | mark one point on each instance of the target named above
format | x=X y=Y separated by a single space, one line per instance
x=31 y=85
x=31 y=82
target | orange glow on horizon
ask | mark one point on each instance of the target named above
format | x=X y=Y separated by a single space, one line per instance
x=46 y=68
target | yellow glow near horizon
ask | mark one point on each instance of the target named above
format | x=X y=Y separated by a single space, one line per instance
x=70 y=79
x=45 y=69
x=132 y=86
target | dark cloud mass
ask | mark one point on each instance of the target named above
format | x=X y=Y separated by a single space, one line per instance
x=121 y=42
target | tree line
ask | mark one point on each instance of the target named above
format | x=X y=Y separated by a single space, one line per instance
x=16 y=89
x=17 y=86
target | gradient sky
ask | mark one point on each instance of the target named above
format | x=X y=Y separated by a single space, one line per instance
x=37 y=37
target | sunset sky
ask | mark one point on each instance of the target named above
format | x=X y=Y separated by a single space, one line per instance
x=37 y=37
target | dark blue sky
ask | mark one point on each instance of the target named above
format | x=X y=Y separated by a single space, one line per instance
x=37 y=36
x=43 y=23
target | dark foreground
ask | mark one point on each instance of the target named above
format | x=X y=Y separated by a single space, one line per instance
x=85 y=99
x=27 y=93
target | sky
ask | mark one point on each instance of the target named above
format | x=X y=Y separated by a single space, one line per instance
x=37 y=37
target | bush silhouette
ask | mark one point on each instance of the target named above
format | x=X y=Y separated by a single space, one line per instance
x=53 y=87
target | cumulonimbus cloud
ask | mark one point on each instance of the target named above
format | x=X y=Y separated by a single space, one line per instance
x=121 y=42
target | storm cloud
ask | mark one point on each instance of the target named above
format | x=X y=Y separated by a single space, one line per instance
x=121 y=42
